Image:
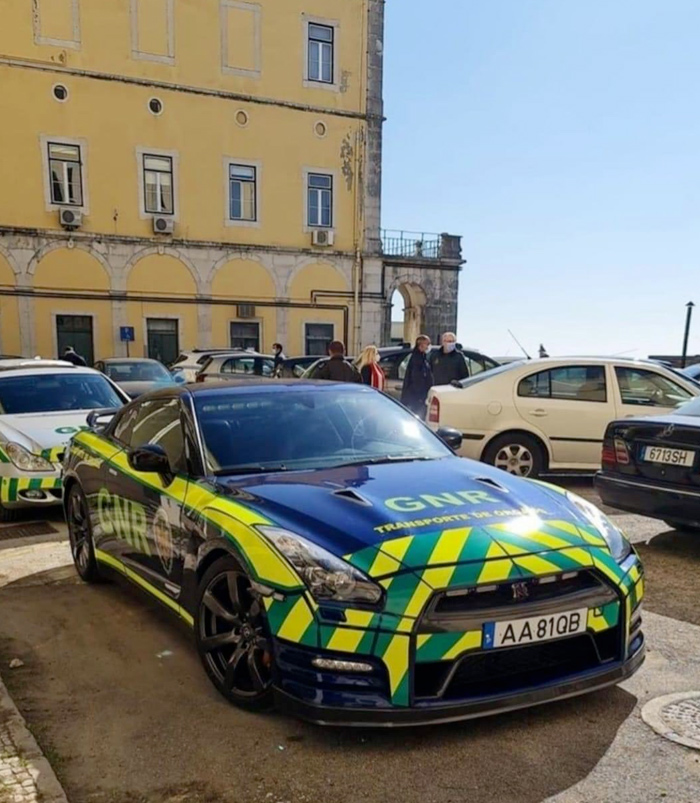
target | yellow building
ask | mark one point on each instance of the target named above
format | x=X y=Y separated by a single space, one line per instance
x=198 y=173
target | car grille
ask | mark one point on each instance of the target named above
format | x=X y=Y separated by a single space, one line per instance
x=468 y=608
x=501 y=671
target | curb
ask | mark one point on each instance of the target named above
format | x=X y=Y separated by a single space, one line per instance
x=25 y=774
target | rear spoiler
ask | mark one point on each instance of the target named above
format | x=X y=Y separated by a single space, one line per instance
x=98 y=419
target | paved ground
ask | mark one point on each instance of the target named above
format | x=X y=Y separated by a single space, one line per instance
x=114 y=694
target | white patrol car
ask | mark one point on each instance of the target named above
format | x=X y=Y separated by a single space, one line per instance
x=43 y=403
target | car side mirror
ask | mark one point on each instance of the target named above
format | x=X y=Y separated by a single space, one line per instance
x=150 y=458
x=451 y=437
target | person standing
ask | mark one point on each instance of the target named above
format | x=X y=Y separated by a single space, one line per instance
x=447 y=362
x=370 y=371
x=337 y=368
x=278 y=351
x=419 y=378
x=72 y=356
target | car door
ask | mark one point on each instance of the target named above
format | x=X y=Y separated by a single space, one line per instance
x=146 y=507
x=570 y=406
x=646 y=391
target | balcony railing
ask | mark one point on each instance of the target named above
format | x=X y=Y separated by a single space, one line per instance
x=417 y=245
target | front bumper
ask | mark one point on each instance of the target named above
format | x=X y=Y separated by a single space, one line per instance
x=22 y=491
x=390 y=716
x=649 y=498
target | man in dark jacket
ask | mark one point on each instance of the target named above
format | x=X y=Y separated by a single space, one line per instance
x=418 y=379
x=70 y=355
x=337 y=369
x=447 y=362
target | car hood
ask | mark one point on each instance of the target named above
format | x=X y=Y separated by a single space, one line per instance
x=347 y=510
x=40 y=432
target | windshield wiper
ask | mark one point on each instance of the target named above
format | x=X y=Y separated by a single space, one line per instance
x=378 y=461
x=240 y=470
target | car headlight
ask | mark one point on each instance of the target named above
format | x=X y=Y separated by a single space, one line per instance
x=619 y=546
x=328 y=578
x=25 y=460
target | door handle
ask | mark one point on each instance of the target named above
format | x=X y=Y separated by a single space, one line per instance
x=538 y=413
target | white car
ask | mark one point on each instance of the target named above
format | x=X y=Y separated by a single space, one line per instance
x=43 y=403
x=538 y=416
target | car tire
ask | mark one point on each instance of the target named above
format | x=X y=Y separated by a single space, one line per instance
x=232 y=636
x=82 y=545
x=518 y=454
x=679 y=525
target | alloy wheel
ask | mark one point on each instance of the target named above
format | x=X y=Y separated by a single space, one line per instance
x=515 y=459
x=232 y=635
x=79 y=531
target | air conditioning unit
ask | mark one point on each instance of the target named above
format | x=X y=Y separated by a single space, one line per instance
x=323 y=237
x=246 y=310
x=163 y=225
x=70 y=218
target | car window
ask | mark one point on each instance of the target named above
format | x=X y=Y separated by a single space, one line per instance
x=390 y=364
x=484 y=375
x=251 y=366
x=46 y=393
x=404 y=366
x=137 y=372
x=158 y=422
x=304 y=428
x=568 y=383
x=649 y=389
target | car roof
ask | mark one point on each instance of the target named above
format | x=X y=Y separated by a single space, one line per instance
x=28 y=367
x=110 y=360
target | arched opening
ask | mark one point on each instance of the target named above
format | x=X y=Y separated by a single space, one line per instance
x=407 y=312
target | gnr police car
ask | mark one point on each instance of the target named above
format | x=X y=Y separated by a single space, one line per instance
x=43 y=403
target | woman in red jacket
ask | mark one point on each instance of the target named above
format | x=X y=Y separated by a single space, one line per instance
x=370 y=371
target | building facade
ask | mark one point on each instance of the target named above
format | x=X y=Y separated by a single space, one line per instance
x=200 y=173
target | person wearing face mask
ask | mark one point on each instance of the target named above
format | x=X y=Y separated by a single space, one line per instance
x=418 y=379
x=448 y=364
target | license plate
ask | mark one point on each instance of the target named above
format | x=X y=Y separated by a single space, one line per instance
x=670 y=457
x=514 y=632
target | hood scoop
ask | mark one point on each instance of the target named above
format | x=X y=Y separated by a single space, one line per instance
x=492 y=483
x=352 y=496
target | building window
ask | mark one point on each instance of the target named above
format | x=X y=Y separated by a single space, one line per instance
x=65 y=174
x=75 y=331
x=320 y=194
x=321 y=46
x=245 y=335
x=162 y=339
x=242 y=192
x=317 y=338
x=158 y=184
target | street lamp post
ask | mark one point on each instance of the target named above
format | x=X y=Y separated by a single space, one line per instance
x=688 y=318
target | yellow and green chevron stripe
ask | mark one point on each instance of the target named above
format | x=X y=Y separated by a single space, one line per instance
x=10 y=487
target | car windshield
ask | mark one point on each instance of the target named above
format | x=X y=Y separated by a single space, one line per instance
x=310 y=428
x=500 y=369
x=137 y=372
x=47 y=393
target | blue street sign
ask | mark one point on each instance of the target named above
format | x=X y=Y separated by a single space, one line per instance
x=126 y=334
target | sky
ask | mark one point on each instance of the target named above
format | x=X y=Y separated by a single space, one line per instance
x=561 y=139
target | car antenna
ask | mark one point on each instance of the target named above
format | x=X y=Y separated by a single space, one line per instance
x=520 y=345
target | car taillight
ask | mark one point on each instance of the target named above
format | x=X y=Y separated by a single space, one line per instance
x=622 y=454
x=199 y=378
x=434 y=411
x=615 y=452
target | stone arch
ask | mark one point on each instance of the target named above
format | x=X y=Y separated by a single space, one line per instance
x=9 y=309
x=315 y=274
x=63 y=268
x=164 y=251
x=329 y=262
x=10 y=259
x=242 y=278
x=415 y=301
x=68 y=245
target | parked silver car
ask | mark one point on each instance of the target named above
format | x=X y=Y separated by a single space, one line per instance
x=237 y=365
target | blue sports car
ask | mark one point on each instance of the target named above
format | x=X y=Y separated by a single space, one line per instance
x=334 y=557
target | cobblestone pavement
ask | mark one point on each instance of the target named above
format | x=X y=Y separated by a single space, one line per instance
x=25 y=775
